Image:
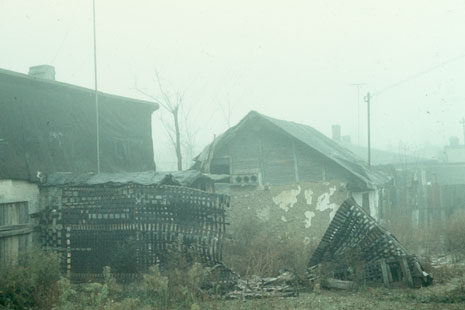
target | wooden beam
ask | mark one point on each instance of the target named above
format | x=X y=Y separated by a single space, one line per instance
x=13 y=230
x=384 y=271
x=261 y=161
x=339 y=284
x=296 y=168
x=406 y=271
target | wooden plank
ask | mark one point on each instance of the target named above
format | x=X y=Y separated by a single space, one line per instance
x=14 y=227
x=384 y=271
x=15 y=232
x=406 y=271
x=296 y=168
x=339 y=284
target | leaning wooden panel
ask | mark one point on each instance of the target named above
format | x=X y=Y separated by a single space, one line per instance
x=356 y=247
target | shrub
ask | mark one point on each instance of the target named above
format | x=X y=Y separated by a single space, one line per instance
x=252 y=249
x=31 y=281
x=455 y=236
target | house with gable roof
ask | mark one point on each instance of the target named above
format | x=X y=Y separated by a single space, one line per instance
x=262 y=151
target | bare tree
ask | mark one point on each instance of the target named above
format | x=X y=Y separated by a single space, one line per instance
x=190 y=134
x=172 y=103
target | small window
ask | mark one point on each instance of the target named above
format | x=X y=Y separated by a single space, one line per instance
x=220 y=165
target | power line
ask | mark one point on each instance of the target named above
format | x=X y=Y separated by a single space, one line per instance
x=419 y=74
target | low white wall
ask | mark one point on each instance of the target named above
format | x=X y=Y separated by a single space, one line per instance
x=373 y=201
x=14 y=191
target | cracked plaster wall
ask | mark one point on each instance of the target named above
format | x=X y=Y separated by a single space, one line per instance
x=303 y=210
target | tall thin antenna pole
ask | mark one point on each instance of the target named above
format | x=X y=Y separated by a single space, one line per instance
x=367 y=100
x=96 y=93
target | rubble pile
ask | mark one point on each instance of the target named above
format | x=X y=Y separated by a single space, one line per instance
x=225 y=282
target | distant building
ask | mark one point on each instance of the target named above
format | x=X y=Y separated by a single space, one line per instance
x=377 y=157
x=455 y=154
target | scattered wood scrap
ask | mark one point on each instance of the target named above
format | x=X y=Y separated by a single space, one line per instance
x=223 y=281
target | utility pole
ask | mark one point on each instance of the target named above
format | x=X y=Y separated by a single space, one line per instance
x=462 y=122
x=97 y=117
x=367 y=100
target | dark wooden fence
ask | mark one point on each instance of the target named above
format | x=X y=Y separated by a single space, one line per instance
x=15 y=230
x=425 y=204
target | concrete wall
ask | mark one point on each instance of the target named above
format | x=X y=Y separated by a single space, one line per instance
x=303 y=210
x=14 y=191
x=372 y=202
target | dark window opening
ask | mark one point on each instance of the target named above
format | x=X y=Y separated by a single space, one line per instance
x=220 y=166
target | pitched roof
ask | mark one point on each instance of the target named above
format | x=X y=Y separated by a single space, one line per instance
x=36 y=81
x=305 y=134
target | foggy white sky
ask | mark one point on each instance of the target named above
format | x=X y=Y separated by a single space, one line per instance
x=293 y=60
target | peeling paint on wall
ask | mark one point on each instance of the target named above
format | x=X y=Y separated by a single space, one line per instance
x=264 y=213
x=287 y=199
x=287 y=209
x=308 y=218
x=308 y=196
x=324 y=203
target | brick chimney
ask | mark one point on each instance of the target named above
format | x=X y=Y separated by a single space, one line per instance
x=336 y=132
x=46 y=72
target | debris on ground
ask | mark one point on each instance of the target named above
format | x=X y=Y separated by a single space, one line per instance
x=223 y=281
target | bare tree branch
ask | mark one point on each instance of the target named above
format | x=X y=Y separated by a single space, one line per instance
x=172 y=103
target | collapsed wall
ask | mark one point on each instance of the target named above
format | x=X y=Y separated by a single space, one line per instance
x=130 y=227
x=356 y=247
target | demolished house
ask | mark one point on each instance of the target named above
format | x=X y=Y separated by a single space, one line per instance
x=130 y=221
x=356 y=248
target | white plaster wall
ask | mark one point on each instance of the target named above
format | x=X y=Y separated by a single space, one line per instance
x=358 y=197
x=13 y=190
x=373 y=200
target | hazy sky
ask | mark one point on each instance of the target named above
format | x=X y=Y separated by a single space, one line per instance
x=294 y=60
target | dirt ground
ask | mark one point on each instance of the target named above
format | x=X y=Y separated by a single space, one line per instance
x=440 y=296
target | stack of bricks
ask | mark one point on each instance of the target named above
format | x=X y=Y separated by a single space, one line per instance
x=131 y=227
